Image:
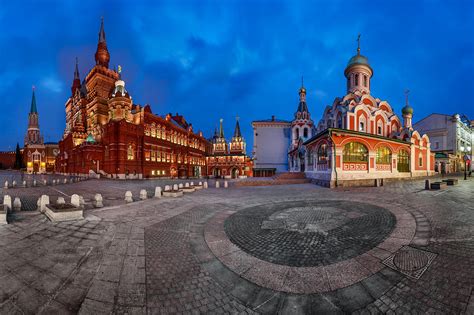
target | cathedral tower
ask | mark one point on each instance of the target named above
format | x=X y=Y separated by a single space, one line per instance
x=358 y=72
x=237 y=144
x=102 y=56
x=33 y=135
x=302 y=125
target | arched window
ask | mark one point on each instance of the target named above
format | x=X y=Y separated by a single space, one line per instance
x=305 y=133
x=403 y=162
x=355 y=152
x=365 y=80
x=384 y=155
x=356 y=79
x=380 y=128
x=362 y=124
x=323 y=154
x=420 y=160
x=130 y=153
x=297 y=133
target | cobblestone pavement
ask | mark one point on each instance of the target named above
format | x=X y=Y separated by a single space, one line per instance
x=164 y=256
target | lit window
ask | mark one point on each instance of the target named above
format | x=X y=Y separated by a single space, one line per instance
x=365 y=80
x=323 y=153
x=384 y=155
x=361 y=126
x=420 y=160
x=355 y=152
x=379 y=130
x=130 y=155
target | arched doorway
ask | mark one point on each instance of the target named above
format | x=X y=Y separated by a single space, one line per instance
x=216 y=172
x=235 y=172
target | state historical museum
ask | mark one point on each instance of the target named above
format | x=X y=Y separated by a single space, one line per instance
x=108 y=134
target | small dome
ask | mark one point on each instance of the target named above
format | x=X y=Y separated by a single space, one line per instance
x=407 y=110
x=358 y=60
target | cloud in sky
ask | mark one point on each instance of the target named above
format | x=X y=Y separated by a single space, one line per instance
x=213 y=59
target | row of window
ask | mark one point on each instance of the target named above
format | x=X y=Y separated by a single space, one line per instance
x=358 y=80
x=160 y=156
x=160 y=132
x=158 y=172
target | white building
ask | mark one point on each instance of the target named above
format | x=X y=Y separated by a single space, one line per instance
x=271 y=139
x=450 y=136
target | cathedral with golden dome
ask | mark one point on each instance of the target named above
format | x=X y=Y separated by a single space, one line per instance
x=359 y=139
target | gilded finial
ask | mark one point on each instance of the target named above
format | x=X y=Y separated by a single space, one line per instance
x=119 y=69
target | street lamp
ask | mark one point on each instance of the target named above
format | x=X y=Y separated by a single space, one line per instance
x=465 y=150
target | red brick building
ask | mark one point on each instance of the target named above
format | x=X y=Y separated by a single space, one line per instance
x=228 y=160
x=107 y=133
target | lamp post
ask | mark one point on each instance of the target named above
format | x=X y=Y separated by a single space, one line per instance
x=465 y=150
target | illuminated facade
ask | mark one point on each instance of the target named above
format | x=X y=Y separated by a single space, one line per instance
x=107 y=133
x=360 y=138
x=39 y=157
x=228 y=160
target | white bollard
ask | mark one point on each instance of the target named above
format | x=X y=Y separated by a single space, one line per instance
x=44 y=200
x=76 y=200
x=192 y=183
x=34 y=182
x=65 y=181
x=180 y=186
x=24 y=183
x=98 y=201
x=17 y=204
x=205 y=185
x=175 y=187
x=158 y=192
x=143 y=194
x=218 y=185
x=7 y=200
x=60 y=201
x=45 y=182
x=200 y=184
x=14 y=183
x=6 y=185
x=167 y=187
x=128 y=196
x=186 y=185
x=226 y=185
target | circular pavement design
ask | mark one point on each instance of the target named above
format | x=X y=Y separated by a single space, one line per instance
x=309 y=233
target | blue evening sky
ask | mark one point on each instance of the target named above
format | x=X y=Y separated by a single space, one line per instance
x=213 y=59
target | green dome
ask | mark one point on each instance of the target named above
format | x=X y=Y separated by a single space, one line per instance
x=407 y=109
x=358 y=60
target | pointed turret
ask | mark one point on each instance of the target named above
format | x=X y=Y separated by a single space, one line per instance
x=33 y=103
x=76 y=83
x=237 y=133
x=102 y=56
x=237 y=145
x=302 y=107
x=33 y=135
x=221 y=129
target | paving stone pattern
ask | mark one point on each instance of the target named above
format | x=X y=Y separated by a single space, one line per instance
x=152 y=256
x=312 y=233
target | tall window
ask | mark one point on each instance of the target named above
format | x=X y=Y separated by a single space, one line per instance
x=297 y=133
x=130 y=152
x=305 y=133
x=323 y=154
x=356 y=79
x=403 y=163
x=339 y=121
x=420 y=160
x=309 y=157
x=365 y=80
x=361 y=126
x=384 y=155
x=355 y=152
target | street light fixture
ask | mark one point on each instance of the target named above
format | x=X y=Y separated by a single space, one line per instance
x=465 y=150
